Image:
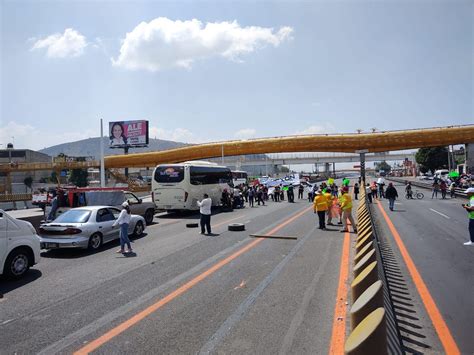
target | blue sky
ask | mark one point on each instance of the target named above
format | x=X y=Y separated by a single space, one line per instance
x=281 y=68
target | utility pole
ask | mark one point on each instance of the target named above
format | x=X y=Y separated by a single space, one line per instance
x=102 y=164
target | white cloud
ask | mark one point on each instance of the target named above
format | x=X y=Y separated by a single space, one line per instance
x=317 y=129
x=245 y=133
x=30 y=137
x=69 y=44
x=163 y=43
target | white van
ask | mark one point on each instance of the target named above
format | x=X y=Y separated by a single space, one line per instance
x=19 y=246
x=441 y=174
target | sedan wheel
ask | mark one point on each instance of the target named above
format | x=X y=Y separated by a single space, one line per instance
x=138 y=231
x=95 y=242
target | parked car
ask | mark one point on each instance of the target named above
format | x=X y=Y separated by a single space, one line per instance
x=19 y=246
x=86 y=227
x=78 y=197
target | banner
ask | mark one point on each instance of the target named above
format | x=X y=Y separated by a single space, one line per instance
x=128 y=134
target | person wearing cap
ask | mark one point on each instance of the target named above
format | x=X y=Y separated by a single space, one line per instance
x=346 y=206
x=205 y=210
x=123 y=221
x=320 y=206
x=391 y=194
x=469 y=207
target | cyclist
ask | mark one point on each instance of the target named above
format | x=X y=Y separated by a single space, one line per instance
x=409 y=191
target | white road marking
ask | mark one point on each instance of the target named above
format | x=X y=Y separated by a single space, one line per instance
x=441 y=214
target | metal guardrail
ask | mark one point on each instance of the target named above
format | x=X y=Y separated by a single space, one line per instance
x=458 y=192
x=15 y=197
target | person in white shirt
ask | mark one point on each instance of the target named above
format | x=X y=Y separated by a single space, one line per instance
x=205 y=210
x=123 y=221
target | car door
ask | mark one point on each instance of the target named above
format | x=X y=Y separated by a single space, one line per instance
x=3 y=239
x=105 y=220
x=135 y=204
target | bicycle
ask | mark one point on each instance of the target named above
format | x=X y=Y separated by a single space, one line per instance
x=418 y=195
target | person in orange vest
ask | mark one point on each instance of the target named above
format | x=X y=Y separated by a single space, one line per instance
x=346 y=206
x=320 y=205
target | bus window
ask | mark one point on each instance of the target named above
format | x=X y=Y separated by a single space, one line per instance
x=204 y=175
x=169 y=174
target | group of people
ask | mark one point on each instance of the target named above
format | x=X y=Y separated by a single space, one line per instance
x=329 y=205
x=443 y=187
x=376 y=190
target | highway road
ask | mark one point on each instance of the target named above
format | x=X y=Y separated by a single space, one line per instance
x=184 y=292
x=229 y=293
x=433 y=232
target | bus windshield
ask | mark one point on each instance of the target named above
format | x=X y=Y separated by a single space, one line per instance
x=169 y=174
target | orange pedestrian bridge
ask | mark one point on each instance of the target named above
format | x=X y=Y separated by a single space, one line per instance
x=345 y=143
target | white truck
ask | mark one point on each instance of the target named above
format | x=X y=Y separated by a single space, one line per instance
x=19 y=246
x=104 y=197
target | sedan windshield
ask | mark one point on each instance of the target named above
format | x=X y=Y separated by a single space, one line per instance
x=74 y=216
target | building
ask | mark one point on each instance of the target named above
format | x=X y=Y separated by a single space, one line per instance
x=11 y=155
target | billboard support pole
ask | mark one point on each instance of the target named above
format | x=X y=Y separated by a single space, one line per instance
x=102 y=165
x=125 y=151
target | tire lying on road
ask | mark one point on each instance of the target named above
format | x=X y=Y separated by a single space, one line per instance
x=236 y=227
x=192 y=225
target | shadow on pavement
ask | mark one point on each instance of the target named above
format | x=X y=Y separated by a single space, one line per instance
x=7 y=285
x=80 y=253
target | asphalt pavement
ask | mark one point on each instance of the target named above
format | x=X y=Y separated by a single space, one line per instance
x=183 y=292
x=433 y=231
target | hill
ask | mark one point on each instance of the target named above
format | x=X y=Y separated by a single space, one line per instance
x=91 y=147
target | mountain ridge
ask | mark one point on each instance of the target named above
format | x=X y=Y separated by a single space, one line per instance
x=90 y=147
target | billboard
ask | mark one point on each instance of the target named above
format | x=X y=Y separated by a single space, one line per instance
x=128 y=134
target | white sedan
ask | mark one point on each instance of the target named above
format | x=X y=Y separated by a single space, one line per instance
x=87 y=228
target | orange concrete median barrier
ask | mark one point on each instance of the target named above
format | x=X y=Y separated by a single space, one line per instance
x=365 y=278
x=369 y=337
x=369 y=301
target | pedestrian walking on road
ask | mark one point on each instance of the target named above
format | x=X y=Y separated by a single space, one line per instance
x=251 y=195
x=205 y=210
x=368 y=192
x=470 y=209
x=331 y=212
x=346 y=206
x=391 y=194
x=320 y=206
x=123 y=221
x=356 y=190
x=452 y=190
x=444 y=188
x=300 y=191
x=435 y=189
x=373 y=189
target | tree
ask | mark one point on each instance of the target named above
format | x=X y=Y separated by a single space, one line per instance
x=431 y=159
x=383 y=165
x=54 y=177
x=79 y=177
x=28 y=181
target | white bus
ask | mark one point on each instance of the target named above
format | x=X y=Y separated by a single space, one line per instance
x=239 y=177
x=179 y=186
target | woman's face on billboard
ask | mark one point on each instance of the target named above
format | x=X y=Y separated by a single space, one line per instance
x=117 y=131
